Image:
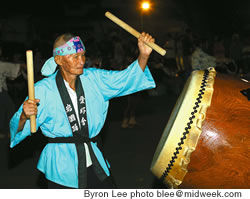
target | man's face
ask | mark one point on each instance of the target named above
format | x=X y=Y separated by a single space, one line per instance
x=73 y=64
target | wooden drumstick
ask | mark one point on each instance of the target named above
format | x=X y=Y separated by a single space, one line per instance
x=31 y=89
x=132 y=31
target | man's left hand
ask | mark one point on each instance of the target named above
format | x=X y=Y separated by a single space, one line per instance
x=144 y=49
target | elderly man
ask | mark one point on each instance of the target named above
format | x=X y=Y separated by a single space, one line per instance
x=71 y=106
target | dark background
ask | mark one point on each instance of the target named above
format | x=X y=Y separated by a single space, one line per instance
x=24 y=25
x=213 y=16
x=218 y=16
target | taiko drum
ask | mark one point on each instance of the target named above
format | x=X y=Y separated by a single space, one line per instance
x=205 y=143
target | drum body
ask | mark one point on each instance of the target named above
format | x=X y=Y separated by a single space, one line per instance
x=206 y=142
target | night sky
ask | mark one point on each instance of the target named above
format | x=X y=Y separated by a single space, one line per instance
x=221 y=17
x=217 y=16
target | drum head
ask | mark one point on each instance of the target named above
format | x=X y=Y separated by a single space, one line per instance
x=183 y=129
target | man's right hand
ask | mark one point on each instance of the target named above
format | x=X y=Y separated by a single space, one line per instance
x=30 y=108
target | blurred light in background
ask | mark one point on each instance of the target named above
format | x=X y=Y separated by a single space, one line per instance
x=145 y=5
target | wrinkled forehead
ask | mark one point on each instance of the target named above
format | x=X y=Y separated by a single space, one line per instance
x=74 y=45
x=75 y=54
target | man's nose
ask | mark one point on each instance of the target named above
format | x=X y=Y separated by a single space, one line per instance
x=82 y=60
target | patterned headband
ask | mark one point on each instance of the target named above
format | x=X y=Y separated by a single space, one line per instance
x=72 y=46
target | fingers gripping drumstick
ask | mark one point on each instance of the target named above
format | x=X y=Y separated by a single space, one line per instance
x=132 y=31
x=31 y=90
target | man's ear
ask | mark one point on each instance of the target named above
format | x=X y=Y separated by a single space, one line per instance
x=58 y=60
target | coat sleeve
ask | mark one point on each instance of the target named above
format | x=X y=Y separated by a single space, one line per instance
x=119 y=83
x=15 y=136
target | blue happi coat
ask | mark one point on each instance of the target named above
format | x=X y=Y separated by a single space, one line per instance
x=58 y=161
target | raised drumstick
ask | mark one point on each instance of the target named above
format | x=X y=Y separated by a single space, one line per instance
x=132 y=31
x=31 y=89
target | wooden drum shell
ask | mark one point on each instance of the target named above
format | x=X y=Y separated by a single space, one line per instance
x=221 y=158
